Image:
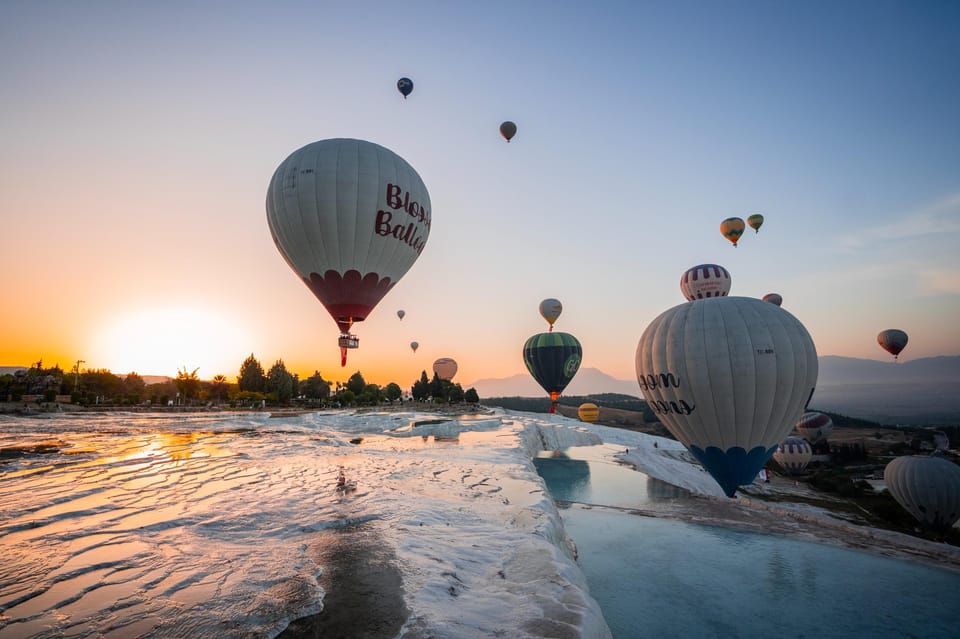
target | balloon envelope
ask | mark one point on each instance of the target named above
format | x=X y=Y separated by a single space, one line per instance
x=755 y=221
x=350 y=218
x=773 y=298
x=927 y=487
x=728 y=377
x=814 y=426
x=588 y=412
x=892 y=340
x=553 y=359
x=405 y=86
x=401 y=313
x=508 y=129
x=414 y=346
x=793 y=455
x=445 y=368
x=550 y=310
x=732 y=229
x=705 y=280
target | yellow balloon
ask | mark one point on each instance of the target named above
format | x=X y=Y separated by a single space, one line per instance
x=732 y=229
x=588 y=412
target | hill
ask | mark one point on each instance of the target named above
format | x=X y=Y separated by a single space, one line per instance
x=588 y=381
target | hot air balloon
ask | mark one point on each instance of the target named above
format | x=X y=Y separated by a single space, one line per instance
x=728 y=377
x=445 y=368
x=508 y=129
x=941 y=442
x=414 y=346
x=550 y=309
x=732 y=229
x=755 y=221
x=588 y=412
x=350 y=218
x=401 y=313
x=892 y=340
x=553 y=359
x=773 y=298
x=793 y=455
x=814 y=427
x=927 y=487
x=405 y=86
x=705 y=280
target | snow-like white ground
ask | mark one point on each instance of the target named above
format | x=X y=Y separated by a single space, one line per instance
x=227 y=525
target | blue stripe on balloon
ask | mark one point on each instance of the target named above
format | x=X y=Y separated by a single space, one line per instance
x=733 y=467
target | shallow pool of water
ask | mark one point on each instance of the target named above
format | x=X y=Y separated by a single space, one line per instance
x=667 y=578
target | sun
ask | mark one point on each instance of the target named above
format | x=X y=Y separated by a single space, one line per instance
x=163 y=341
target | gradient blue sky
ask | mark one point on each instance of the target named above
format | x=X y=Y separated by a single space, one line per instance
x=138 y=141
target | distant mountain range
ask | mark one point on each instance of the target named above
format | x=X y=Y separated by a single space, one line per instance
x=920 y=391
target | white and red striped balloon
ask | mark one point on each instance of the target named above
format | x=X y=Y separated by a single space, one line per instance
x=814 y=426
x=705 y=280
x=793 y=455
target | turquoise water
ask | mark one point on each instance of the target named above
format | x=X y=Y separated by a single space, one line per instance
x=665 y=578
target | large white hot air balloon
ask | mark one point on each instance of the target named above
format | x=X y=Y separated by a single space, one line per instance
x=793 y=455
x=445 y=368
x=927 y=487
x=728 y=377
x=350 y=218
x=705 y=280
x=814 y=427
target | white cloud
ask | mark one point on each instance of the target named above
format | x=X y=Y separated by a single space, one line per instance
x=940 y=220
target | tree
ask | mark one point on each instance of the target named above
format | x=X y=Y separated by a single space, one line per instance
x=251 y=376
x=455 y=393
x=280 y=382
x=421 y=388
x=101 y=383
x=219 y=386
x=315 y=387
x=471 y=397
x=188 y=384
x=356 y=383
x=436 y=387
x=371 y=394
x=133 y=387
x=393 y=391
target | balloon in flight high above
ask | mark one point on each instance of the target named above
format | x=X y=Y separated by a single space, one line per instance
x=401 y=313
x=414 y=346
x=793 y=455
x=732 y=229
x=892 y=340
x=814 y=427
x=508 y=129
x=773 y=298
x=728 y=377
x=927 y=487
x=550 y=310
x=755 y=221
x=405 y=86
x=705 y=280
x=553 y=359
x=588 y=412
x=445 y=368
x=350 y=217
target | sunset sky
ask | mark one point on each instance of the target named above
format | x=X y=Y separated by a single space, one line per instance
x=137 y=141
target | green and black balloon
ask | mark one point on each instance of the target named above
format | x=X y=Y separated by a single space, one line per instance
x=553 y=359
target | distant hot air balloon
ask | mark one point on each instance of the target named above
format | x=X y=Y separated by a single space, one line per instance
x=508 y=129
x=773 y=298
x=405 y=86
x=414 y=346
x=553 y=359
x=814 y=427
x=892 y=340
x=588 y=412
x=350 y=218
x=793 y=455
x=941 y=442
x=445 y=368
x=732 y=229
x=728 y=377
x=401 y=313
x=705 y=280
x=927 y=487
x=755 y=221
x=550 y=309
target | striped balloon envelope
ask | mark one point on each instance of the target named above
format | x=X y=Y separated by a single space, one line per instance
x=793 y=455
x=732 y=228
x=588 y=412
x=814 y=426
x=705 y=280
x=892 y=340
x=728 y=377
x=445 y=368
x=927 y=487
x=553 y=359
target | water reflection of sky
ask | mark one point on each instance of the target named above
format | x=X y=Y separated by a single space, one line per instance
x=666 y=578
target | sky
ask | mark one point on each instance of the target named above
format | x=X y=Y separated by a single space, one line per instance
x=137 y=141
